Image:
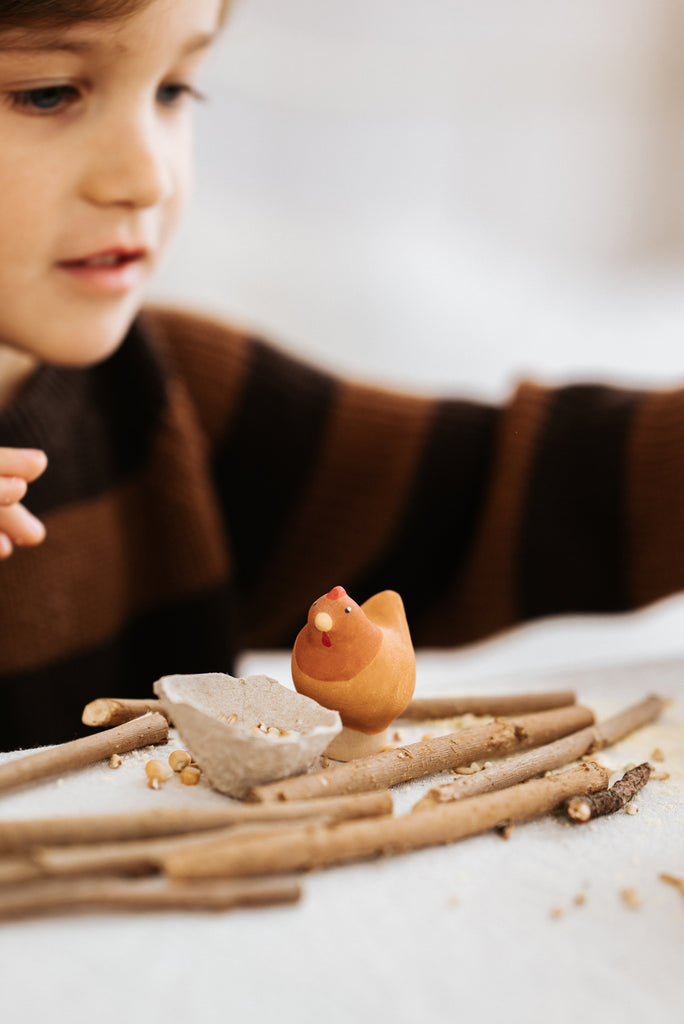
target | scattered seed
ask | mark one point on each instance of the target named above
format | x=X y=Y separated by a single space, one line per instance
x=190 y=775
x=631 y=898
x=157 y=772
x=115 y=761
x=631 y=809
x=179 y=759
x=657 y=755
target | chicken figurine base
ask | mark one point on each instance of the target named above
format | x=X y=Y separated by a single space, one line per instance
x=357 y=660
x=350 y=744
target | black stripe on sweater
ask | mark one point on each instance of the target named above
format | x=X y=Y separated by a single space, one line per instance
x=433 y=537
x=95 y=424
x=270 y=453
x=571 y=555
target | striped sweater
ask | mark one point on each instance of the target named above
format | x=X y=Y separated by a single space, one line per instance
x=203 y=488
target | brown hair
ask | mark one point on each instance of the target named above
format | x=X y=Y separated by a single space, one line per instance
x=59 y=14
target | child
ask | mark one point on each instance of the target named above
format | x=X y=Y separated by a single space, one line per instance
x=201 y=487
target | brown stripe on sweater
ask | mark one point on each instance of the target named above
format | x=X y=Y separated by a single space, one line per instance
x=656 y=497
x=484 y=599
x=212 y=357
x=269 y=454
x=367 y=461
x=572 y=553
x=109 y=558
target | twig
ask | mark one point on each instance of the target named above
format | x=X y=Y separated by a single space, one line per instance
x=133 y=856
x=301 y=848
x=503 y=704
x=546 y=758
x=618 y=726
x=17 y=836
x=96 y=894
x=108 y=711
x=149 y=729
x=607 y=801
x=379 y=771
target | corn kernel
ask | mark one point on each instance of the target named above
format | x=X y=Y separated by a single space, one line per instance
x=157 y=772
x=179 y=759
x=190 y=775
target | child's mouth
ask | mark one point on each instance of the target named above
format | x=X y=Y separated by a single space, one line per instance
x=117 y=270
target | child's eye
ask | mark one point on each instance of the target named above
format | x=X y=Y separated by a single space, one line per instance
x=44 y=99
x=171 y=94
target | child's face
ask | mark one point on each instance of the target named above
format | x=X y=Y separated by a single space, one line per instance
x=94 y=172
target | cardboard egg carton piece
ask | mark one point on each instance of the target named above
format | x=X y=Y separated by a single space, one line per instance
x=224 y=723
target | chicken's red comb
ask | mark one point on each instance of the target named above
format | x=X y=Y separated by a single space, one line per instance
x=335 y=593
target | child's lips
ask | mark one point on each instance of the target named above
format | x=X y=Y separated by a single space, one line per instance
x=111 y=271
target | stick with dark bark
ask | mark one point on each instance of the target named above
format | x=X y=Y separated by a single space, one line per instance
x=608 y=801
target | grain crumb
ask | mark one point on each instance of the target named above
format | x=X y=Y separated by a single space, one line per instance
x=678 y=883
x=115 y=761
x=657 y=755
x=631 y=809
x=580 y=899
x=630 y=897
x=556 y=913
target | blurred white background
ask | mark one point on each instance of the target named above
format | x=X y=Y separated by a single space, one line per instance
x=446 y=194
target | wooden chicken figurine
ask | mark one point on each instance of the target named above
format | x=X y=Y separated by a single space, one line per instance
x=358 y=660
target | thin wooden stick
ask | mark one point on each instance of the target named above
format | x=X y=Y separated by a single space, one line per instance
x=133 y=856
x=149 y=729
x=545 y=758
x=581 y=809
x=17 y=836
x=49 y=896
x=108 y=711
x=301 y=848
x=502 y=704
x=379 y=771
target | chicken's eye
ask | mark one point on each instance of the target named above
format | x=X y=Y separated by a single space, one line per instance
x=346 y=611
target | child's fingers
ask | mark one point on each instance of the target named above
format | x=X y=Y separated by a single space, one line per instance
x=12 y=489
x=26 y=463
x=20 y=527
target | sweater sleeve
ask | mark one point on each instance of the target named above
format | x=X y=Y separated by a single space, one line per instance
x=560 y=500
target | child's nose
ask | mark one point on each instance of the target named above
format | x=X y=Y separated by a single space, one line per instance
x=130 y=168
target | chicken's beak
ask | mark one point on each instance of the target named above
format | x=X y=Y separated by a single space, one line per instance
x=323 y=622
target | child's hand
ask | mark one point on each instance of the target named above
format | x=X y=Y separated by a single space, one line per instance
x=18 y=468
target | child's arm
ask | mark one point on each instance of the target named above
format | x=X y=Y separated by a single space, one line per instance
x=18 y=527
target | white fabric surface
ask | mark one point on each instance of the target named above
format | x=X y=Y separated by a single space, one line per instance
x=465 y=931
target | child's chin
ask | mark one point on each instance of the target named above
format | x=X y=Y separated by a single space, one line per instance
x=87 y=347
